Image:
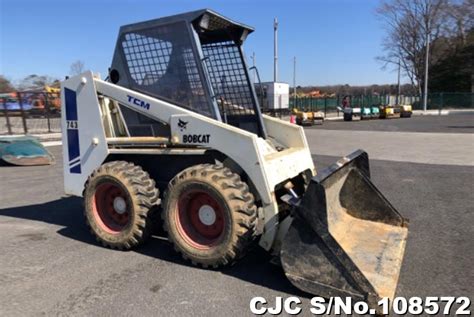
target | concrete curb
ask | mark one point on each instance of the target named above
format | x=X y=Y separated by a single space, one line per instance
x=42 y=137
x=444 y=112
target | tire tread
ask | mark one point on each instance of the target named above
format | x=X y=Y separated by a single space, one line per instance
x=146 y=196
x=240 y=200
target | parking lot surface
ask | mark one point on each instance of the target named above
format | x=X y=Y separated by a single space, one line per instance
x=51 y=265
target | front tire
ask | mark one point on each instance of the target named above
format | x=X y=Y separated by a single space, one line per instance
x=210 y=215
x=119 y=200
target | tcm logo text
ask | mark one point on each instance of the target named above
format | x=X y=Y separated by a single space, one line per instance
x=138 y=102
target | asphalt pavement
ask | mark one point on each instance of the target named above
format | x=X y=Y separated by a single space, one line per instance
x=414 y=147
x=50 y=264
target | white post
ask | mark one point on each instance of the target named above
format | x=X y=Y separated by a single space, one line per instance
x=275 y=50
x=254 y=71
x=427 y=52
x=294 y=81
x=398 y=83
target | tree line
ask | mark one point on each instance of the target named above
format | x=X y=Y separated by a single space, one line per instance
x=443 y=27
x=348 y=90
x=35 y=81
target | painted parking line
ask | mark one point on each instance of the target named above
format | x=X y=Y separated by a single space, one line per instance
x=52 y=143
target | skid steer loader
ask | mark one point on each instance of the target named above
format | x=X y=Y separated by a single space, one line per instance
x=176 y=131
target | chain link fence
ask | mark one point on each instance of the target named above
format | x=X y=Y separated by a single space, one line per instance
x=436 y=101
x=447 y=100
x=30 y=112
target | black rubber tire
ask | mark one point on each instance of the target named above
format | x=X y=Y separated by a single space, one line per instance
x=236 y=201
x=142 y=199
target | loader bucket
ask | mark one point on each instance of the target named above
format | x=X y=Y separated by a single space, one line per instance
x=24 y=151
x=346 y=239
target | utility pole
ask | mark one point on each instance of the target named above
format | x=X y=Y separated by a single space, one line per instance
x=253 y=64
x=275 y=50
x=398 y=82
x=294 y=80
x=427 y=54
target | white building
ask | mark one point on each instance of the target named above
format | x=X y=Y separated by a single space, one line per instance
x=275 y=96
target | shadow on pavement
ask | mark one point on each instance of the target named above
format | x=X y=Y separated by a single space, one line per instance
x=254 y=268
x=3 y=163
x=461 y=126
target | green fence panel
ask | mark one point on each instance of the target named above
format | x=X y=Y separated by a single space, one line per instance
x=436 y=101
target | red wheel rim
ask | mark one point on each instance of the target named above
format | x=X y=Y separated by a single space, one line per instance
x=111 y=207
x=200 y=219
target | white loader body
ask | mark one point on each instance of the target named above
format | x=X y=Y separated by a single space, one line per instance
x=87 y=142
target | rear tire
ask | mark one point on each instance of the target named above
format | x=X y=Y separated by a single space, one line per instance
x=119 y=200
x=209 y=215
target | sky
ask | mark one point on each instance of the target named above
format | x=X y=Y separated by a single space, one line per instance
x=334 y=41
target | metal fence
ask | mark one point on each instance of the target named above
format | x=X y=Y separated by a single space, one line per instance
x=40 y=112
x=447 y=100
x=30 y=112
x=436 y=101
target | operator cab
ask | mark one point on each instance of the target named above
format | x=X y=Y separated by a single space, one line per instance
x=193 y=60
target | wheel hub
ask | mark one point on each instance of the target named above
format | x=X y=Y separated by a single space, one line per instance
x=200 y=218
x=120 y=205
x=111 y=208
x=207 y=215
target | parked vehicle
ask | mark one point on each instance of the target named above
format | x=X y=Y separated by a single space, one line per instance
x=308 y=118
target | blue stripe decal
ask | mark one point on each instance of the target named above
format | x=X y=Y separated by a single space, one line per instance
x=71 y=104
x=76 y=169
x=73 y=144
x=72 y=131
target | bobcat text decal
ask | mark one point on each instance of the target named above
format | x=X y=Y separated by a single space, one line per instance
x=196 y=138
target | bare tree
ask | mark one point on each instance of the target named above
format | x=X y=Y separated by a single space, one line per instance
x=460 y=20
x=32 y=82
x=5 y=85
x=77 y=68
x=410 y=26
